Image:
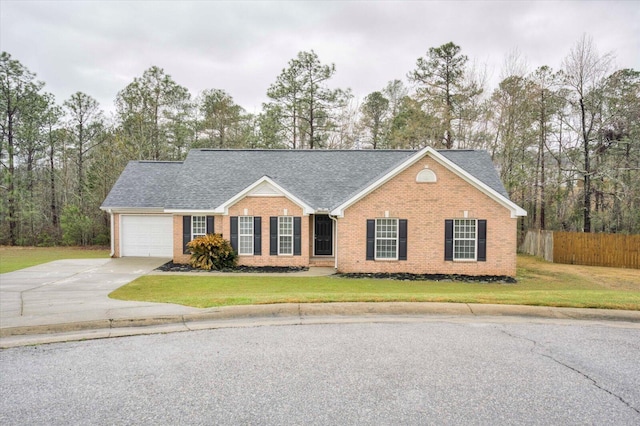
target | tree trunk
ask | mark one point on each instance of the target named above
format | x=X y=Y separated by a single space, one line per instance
x=11 y=195
x=543 y=138
x=81 y=165
x=52 y=182
x=448 y=139
x=586 y=205
x=295 y=128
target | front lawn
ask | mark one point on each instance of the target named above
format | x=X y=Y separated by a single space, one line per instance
x=539 y=283
x=14 y=258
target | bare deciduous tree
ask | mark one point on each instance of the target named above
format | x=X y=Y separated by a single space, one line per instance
x=585 y=71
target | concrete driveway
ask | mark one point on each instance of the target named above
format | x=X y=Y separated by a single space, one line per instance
x=76 y=290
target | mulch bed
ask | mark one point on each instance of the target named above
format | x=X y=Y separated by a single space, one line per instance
x=500 y=279
x=179 y=267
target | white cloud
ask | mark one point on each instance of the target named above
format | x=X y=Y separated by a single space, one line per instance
x=98 y=47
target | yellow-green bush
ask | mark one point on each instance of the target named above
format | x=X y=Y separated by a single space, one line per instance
x=212 y=252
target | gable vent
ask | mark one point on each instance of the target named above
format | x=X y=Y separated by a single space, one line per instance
x=426 y=176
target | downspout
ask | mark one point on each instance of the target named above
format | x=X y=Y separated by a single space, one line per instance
x=335 y=242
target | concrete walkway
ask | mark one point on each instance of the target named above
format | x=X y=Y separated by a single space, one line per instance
x=68 y=300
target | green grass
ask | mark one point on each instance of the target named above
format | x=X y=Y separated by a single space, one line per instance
x=539 y=283
x=14 y=258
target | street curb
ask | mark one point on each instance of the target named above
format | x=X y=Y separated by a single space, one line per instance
x=342 y=309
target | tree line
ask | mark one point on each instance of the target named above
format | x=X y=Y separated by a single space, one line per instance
x=566 y=142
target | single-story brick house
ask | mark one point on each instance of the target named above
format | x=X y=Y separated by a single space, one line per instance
x=422 y=212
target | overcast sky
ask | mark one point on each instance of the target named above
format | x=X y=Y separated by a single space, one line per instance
x=98 y=47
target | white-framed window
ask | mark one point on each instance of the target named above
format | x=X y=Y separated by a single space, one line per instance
x=386 y=239
x=198 y=226
x=245 y=234
x=285 y=235
x=464 y=239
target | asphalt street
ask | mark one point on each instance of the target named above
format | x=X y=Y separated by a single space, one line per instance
x=464 y=370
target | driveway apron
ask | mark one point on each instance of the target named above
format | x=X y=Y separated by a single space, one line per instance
x=76 y=290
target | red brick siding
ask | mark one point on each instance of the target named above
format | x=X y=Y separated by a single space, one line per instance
x=426 y=206
x=265 y=207
x=178 y=256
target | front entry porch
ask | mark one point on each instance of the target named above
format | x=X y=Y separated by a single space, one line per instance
x=322 y=241
x=323 y=262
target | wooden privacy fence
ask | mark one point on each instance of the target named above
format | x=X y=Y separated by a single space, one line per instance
x=614 y=250
x=620 y=251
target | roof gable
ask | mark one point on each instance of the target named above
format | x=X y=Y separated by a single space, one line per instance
x=479 y=165
x=485 y=179
x=490 y=185
x=263 y=187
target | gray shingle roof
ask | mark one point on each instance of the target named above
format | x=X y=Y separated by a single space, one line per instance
x=321 y=178
x=479 y=165
x=143 y=184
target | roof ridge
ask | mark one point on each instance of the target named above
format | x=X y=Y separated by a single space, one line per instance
x=319 y=178
x=159 y=162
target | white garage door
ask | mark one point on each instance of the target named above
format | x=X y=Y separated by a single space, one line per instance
x=149 y=236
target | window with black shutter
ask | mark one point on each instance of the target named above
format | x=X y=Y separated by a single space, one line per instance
x=186 y=233
x=233 y=224
x=482 y=240
x=210 y=227
x=386 y=239
x=402 y=239
x=257 y=236
x=273 y=236
x=465 y=240
x=448 y=239
x=297 y=236
x=371 y=239
x=285 y=235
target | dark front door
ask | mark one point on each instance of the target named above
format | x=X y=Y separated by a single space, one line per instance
x=323 y=236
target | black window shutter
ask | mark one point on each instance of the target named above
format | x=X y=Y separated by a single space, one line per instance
x=210 y=227
x=402 y=239
x=234 y=232
x=273 y=235
x=257 y=235
x=371 y=238
x=448 y=239
x=482 y=240
x=297 y=236
x=186 y=233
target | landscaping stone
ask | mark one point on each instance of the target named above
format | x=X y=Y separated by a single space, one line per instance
x=181 y=267
x=487 y=279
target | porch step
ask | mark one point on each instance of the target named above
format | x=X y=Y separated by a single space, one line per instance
x=326 y=262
